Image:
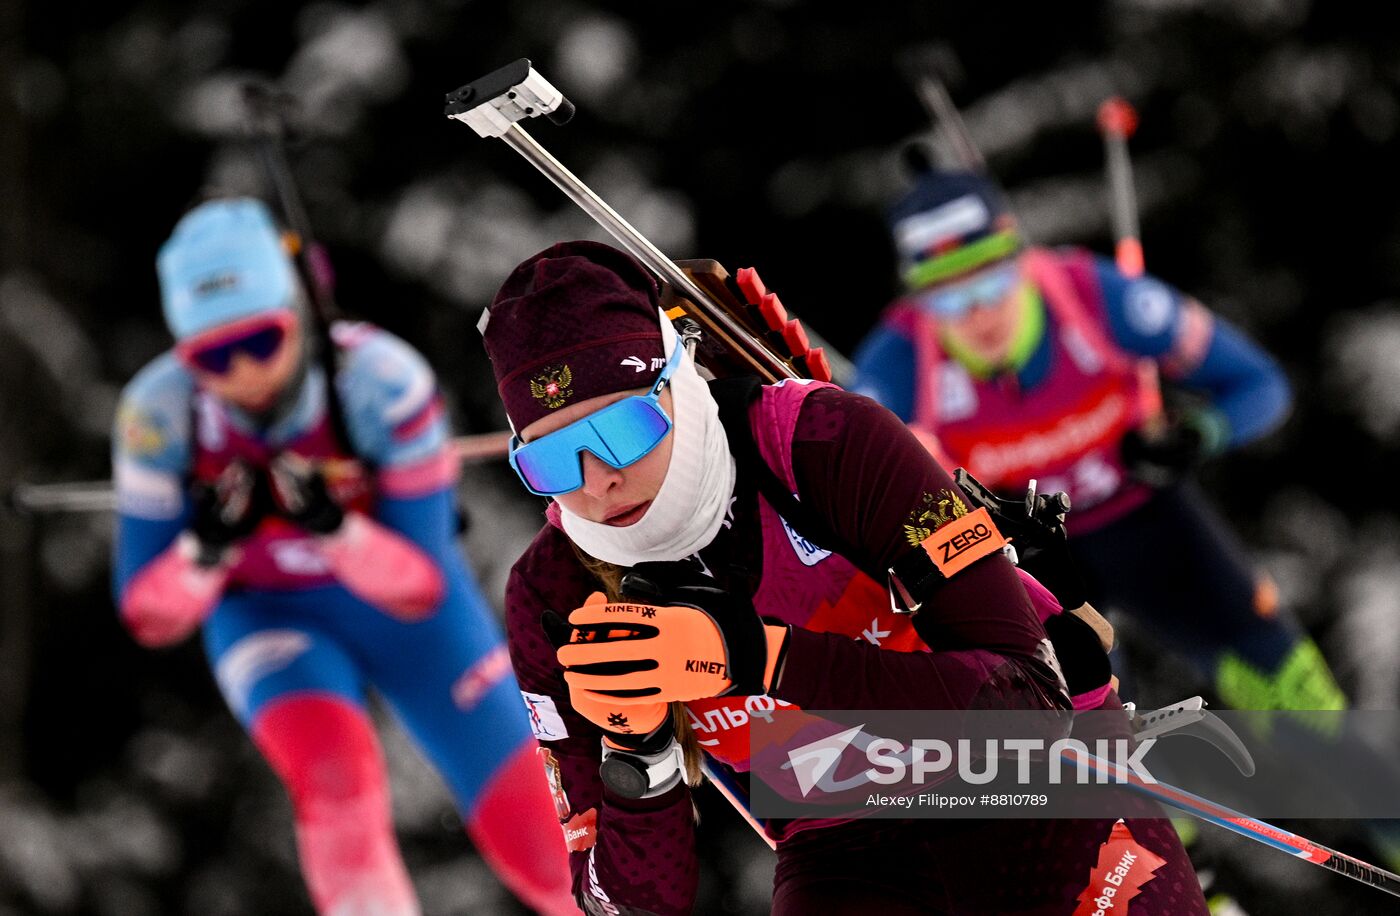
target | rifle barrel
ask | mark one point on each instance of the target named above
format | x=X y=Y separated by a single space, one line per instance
x=642 y=249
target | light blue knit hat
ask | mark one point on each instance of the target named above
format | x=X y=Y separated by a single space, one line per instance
x=223 y=262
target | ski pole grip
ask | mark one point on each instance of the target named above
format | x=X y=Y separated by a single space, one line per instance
x=1117 y=117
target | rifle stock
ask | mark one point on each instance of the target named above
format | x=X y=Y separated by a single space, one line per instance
x=758 y=312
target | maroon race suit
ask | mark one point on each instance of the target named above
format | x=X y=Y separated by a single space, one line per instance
x=871 y=482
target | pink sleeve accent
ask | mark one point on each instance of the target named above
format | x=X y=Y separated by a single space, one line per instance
x=773 y=418
x=384 y=568
x=1193 y=334
x=420 y=421
x=352 y=333
x=170 y=596
x=1045 y=604
x=1094 y=699
x=420 y=478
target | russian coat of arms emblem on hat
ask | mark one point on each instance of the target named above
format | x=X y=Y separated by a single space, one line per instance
x=551 y=387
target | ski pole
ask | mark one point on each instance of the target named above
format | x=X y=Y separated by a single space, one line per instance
x=1117 y=121
x=57 y=498
x=98 y=496
x=1235 y=822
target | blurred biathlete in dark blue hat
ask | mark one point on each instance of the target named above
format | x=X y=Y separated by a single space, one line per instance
x=1020 y=362
x=317 y=567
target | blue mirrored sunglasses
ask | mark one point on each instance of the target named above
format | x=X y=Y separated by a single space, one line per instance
x=618 y=435
x=986 y=288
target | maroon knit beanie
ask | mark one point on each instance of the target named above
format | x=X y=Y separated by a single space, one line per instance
x=575 y=321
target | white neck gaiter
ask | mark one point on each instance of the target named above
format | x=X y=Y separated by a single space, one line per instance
x=690 y=506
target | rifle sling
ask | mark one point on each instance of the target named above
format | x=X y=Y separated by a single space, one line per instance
x=916 y=569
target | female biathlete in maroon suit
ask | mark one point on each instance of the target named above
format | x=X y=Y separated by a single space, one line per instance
x=617 y=426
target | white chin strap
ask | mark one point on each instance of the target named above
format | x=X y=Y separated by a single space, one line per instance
x=690 y=506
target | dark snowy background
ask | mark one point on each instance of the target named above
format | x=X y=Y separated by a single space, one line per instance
x=759 y=132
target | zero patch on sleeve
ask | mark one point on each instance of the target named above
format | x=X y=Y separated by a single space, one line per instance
x=963 y=541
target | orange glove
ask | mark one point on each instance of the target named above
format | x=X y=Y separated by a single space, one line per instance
x=631 y=726
x=641 y=758
x=690 y=640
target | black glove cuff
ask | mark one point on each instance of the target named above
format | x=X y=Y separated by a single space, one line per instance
x=745 y=643
x=202 y=553
x=635 y=775
x=654 y=743
x=1082 y=657
x=322 y=518
x=1054 y=567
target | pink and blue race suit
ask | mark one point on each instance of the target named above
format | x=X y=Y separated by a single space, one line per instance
x=1162 y=555
x=978 y=642
x=294 y=650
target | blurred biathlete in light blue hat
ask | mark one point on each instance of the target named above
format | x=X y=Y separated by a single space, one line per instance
x=1020 y=362
x=306 y=524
